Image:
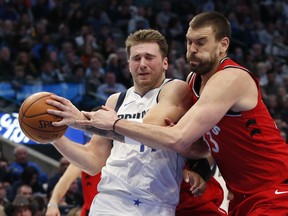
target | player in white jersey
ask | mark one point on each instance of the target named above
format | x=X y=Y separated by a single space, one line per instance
x=141 y=175
x=136 y=180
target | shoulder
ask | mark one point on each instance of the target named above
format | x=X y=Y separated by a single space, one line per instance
x=176 y=87
x=233 y=76
x=176 y=92
x=112 y=100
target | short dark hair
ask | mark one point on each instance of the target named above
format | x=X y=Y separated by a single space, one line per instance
x=220 y=25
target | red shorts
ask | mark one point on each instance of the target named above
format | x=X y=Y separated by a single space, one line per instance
x=271 y=202
x=206 y=205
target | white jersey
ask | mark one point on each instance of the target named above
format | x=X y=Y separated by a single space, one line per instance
x=138 y=172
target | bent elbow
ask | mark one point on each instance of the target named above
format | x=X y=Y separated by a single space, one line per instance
x=176 y=143
x=92 y=171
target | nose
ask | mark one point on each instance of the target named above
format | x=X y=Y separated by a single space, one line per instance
x=143 y=63
x=192 y=48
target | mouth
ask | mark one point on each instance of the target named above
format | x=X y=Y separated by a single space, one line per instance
x=193 y=62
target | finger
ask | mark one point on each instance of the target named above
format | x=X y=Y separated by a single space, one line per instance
x=57 y=124
x=61 y=100
x=56 y=104
x=55 y=112
x=185 y=176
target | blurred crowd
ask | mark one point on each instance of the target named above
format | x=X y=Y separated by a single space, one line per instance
x=25 y=188
x=82 y=41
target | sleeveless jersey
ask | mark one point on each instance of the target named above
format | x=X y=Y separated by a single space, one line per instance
x=247 y=146
x=139 y=172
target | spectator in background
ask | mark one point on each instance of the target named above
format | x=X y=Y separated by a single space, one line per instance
x=21 y=161
x=272 y=86
x=3 y=198
x=20 y=206
x=39 y=204
x=41 y=49
x=113 y=65
x=110 y=86
x=164 y=16
x=94 y=74
x=71 y=60
x=5 y=176
x=63 y=164
x=29 y=177
x=125 y=77
x=23 y=59
x=74 y=196
x=19 y=79
x=78 y=74
x=261 y=73
x=50 y=74
x=6 y=66
x=66 y=48
x=138 y=20
x=25 y=190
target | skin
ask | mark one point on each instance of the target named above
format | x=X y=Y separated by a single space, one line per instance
x=147 y=68
x=71 y=174
x=202 y=48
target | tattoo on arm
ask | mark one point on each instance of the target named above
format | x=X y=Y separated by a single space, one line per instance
x=105 y=133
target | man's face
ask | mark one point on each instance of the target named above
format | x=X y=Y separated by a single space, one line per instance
x=22 y=211
x=21 y=156
x=26 y=191
x=2 y=191
x=147 y=66
x=202 y=50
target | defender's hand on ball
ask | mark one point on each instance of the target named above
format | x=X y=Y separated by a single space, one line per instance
x=66 y=110
x=103 y=118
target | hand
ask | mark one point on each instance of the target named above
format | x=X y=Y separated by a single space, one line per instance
x=198 y=185
x=66 y=110
x=52 y=211
x=102 y=119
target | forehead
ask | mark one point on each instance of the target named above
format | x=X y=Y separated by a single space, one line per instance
x=204 y=32
x=145 y=48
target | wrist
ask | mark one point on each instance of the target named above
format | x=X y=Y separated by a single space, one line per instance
x=52 y=204
x=114 y=124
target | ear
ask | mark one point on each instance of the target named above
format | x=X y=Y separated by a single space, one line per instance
x=165 y=63
x=224 y=44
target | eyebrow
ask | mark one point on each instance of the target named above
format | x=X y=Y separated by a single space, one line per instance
x=197 y=39
x=145 y=54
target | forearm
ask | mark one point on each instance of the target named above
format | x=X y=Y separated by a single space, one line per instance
x=59 y=192
x=105 y=133
x=74 y=152
x=154 y=136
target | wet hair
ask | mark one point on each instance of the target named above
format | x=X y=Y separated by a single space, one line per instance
x=147 y=36
x=218 y=22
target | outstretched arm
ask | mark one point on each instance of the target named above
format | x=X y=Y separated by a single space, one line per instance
x=72 y=172
x=200 y=118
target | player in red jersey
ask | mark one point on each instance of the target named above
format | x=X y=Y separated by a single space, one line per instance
x=229 y=114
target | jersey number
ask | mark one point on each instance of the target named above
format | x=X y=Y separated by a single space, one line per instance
x=142 y=148
x=208 y=138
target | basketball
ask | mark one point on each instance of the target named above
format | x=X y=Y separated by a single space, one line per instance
x=36 y=123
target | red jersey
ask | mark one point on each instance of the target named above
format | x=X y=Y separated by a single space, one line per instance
x=247 y=146
x=89 y=190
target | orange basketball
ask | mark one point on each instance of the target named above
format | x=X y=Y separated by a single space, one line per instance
x=36 y=123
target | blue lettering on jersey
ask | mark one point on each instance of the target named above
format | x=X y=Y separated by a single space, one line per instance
x=138 y=115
